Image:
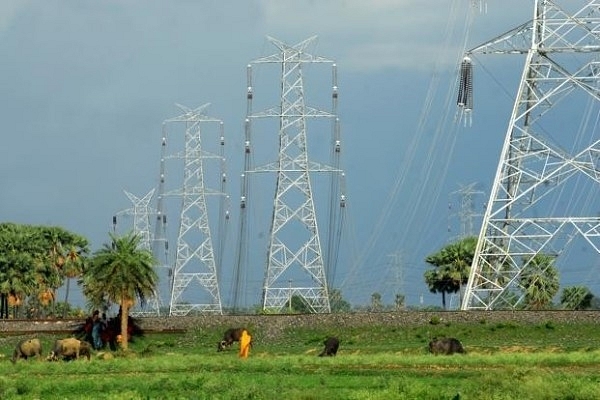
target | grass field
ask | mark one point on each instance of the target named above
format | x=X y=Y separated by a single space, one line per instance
x=503 y=361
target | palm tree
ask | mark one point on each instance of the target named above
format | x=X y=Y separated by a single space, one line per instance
x=73 y=267
x=66 y=253
x=376 y=304
x=439 y=281
x=21 y=255
x=576 y=298
x=121 y=272
x=452 y=265
x=32 y=260
x=540 y=281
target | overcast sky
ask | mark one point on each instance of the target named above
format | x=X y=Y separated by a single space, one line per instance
x=86 y=85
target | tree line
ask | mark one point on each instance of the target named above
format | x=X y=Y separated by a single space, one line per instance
x=538 y=284
x=35 y=261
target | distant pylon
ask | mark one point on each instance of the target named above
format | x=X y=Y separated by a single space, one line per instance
x=547 y=179
x=295 y=264
x=195 y=260
x=141 y=212
x=466 y=213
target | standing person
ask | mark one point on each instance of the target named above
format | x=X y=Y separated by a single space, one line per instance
x=104 y=321
x=245 y=342
x=96 y=330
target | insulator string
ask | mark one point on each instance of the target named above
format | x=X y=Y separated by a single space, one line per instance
x=465 y=90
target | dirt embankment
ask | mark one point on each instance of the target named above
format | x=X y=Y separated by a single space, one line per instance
x=272 y=325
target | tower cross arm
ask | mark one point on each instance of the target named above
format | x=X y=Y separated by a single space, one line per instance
x=553 y=32
x=310 y=112
x=294 y=167
x=191 y=115
x=516 y=41
x=296 y=53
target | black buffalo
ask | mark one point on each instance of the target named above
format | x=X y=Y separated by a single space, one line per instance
x=231 y=335
x=446 y=346
x=331 y=346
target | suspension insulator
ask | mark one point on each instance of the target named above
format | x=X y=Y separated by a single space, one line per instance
x=465 y=85
x=114 y=220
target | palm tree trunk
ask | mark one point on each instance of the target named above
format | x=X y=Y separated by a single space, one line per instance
x=54 y=303
x=66 y=298
x=124 y=321
x=4 y=306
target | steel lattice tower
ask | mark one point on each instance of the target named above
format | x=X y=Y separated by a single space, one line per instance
x=466 y=212
x=548 y=173
x=195 y=260
x=141 y=212
x=295 y=265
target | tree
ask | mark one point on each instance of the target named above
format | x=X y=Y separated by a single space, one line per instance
x=539 y=280
x=376 y=304
x=30 y=261
x=121 y=272
x=74 y=266
x=576 y=298
x=298 y=305
x=399 y=302
x=21 y=254
x=452 y=265
x=337 y=302
x=65 y=259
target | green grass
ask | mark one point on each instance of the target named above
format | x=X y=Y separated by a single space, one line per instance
x=504 y=361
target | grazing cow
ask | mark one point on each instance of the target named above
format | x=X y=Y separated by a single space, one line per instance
x=331 y=346
x=446 y=346
x=27 y=348
x=231 y=335
x=69 y=348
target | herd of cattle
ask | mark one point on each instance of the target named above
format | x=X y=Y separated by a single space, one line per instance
x=63 y=349
x=72 y=348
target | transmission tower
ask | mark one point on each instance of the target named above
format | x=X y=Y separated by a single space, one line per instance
x=467 y=212
x=295 y=263
x=194 y=282
x=141 y=212
x=546 y=183
x=397 y=281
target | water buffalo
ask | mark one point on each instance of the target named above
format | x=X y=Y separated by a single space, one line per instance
x=27 y=348
x=446 y=346
x=231 y=335
x=331 y=346
x=65 y=349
